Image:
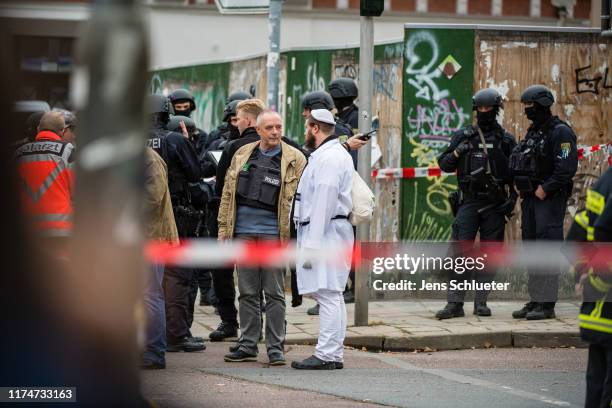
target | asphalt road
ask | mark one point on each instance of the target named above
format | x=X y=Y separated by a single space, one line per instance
x=464 y=378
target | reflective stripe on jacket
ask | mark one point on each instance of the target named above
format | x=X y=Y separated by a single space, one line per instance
x=47 y=179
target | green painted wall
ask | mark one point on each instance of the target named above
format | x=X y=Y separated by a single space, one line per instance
x=307 y=71
x=434 y=106
x=208 y=84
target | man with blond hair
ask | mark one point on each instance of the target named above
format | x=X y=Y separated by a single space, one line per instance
x=256 y=207
x=223 y=279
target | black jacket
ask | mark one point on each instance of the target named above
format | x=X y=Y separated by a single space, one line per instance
x=350 y=116
x=180 y=157
x=248 y=136
x=560 y=156
x=498 y=157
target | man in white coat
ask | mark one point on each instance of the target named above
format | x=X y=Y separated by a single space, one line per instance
x=322 y=208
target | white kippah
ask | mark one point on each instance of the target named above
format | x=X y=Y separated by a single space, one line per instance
x=323 y=115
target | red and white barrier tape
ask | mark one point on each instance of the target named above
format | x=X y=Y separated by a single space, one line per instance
x=408 y=173
x=586 y=151
x=420 y=172
x=210 y=253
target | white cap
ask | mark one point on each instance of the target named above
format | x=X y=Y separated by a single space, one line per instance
x=323 y=115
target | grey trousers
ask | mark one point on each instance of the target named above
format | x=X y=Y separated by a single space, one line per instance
x=251 y=281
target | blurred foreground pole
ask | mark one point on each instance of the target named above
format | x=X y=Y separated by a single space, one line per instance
x=276 y=7
x=109 y=84
x=366 y=68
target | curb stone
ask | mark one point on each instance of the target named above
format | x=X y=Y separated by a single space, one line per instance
x=518 y=339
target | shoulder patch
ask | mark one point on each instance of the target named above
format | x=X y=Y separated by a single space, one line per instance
x=566 y=148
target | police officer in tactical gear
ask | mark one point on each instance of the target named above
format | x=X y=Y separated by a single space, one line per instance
x=543 y=166
x=594 y=224
x=225 y=131
x=485 y=197
x=238 y=96
x=231 y=130
x=184 y=104
x=202 y=194
x=183 y=167
x=344 y=92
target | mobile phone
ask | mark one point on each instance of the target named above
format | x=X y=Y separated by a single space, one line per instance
x=367 y=136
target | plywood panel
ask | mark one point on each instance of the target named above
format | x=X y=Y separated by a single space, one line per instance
x=577 y=67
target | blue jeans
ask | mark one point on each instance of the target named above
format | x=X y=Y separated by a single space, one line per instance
x=155 y=312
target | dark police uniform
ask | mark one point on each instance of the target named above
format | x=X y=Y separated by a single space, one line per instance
x=595 y=224
x=483 y=179
x=547 y=156
x=183 y=168
x=350 y=116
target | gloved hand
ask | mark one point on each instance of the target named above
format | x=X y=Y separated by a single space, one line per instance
x=462 y=149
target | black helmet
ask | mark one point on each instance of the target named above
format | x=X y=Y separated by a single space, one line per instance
x=230 y=110
x=173 y=124
x=317 y=100
x=238 y=96
x=343 y=88
x=538 y=94
x=487 y=97
x=159 y=104
x=182 y=95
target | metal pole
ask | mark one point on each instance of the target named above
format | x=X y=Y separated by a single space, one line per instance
x=366 y=68
x=276 y=7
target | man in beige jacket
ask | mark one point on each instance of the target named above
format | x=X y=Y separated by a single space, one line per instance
x=255 y=206
x=159 y=226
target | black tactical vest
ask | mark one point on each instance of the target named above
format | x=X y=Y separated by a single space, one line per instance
x=472 y=169
x=524 y=162
x=259 y=181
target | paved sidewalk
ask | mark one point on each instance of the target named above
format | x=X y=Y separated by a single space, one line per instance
x=410 y=325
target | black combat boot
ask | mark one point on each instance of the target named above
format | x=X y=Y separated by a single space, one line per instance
x=452 y=309
x=224 y=331
x=481 y=309
x=185 y=344
x=522 y=313
x=540 y=313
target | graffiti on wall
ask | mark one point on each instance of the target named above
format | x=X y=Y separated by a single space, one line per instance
x=593 y=81
x=386 y=77
x=434 y=108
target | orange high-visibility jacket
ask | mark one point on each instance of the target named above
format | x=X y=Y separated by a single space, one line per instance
x=45 y=169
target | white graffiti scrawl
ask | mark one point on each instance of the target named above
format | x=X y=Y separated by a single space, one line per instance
x=424 y=73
